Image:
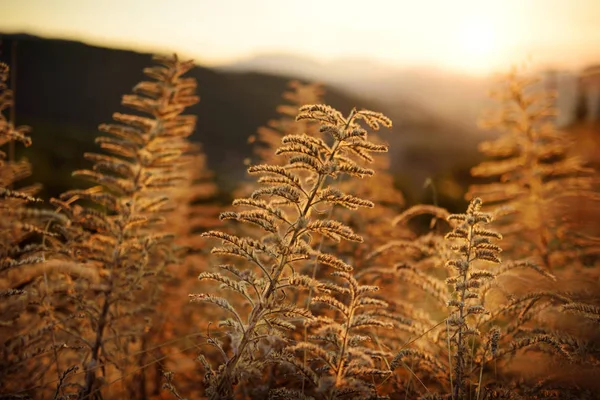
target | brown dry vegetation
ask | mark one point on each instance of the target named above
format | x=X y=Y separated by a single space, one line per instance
x=321 y=283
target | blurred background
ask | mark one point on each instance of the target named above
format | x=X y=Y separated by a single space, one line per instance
x=426 y=64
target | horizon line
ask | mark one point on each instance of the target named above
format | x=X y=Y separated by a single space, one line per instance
x=220 y=62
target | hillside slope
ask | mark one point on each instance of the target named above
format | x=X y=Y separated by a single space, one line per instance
x=64 y=89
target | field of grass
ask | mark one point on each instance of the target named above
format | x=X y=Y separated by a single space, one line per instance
x=319 y=281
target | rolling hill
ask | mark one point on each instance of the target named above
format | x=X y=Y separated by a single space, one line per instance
x=64 y=89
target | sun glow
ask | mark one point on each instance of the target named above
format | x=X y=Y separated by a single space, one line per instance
x=474 y=36
x=478 y=46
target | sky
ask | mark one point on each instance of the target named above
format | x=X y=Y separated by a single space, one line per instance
x=473 y=36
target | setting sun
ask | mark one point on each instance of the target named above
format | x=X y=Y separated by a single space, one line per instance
x=478 y=45
x=471 y=36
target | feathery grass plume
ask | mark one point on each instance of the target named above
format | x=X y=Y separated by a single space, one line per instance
x=117 y=226
x=428 y=360
x=343 y=362
x=268 y=138
x=474 y=243
x=373 y=221
x=285 y=210
x=459 y=353
x=439 y=361
x=26 y=318
x=381 y=189
x=546 y=187
x=534 y=174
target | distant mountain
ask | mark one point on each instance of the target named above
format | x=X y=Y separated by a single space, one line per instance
x=65 y=89
x=279 y=65
x=458 y=97
x=449 y=95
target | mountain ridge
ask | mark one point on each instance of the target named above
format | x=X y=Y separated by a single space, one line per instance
x=65 y=89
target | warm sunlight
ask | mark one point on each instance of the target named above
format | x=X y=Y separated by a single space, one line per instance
x=299 y=199
x=477 y=46
x=472 y=36
x=466 y=35
x=477 y=38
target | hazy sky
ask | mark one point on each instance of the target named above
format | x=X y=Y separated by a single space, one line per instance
x=472 y=35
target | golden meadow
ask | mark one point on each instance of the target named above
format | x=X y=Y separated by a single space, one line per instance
x=318 y=282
